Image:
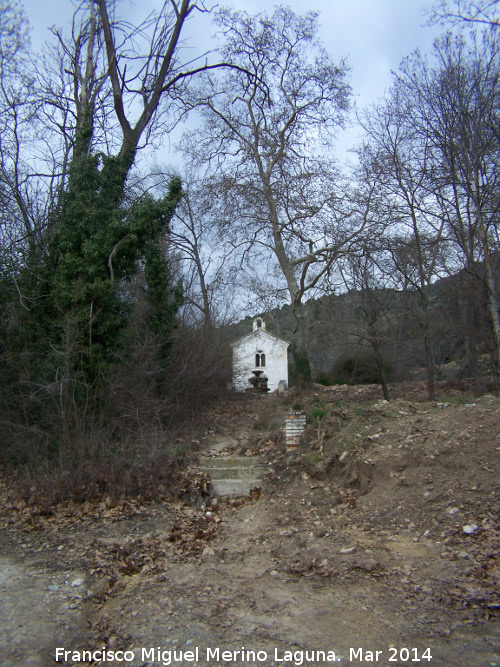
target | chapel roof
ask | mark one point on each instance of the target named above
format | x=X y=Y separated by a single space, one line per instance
x=260 y=332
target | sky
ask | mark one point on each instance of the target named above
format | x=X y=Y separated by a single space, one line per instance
x=373 y=35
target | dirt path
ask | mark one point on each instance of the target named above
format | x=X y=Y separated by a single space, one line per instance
x=360 y=547
x=38 y=608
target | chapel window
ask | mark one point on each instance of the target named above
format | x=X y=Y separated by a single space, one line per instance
x=260 y=360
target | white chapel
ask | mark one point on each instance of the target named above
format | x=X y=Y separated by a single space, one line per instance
x=260 y=354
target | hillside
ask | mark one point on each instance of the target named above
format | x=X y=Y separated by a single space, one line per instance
x=388 y=537
x=339 y=333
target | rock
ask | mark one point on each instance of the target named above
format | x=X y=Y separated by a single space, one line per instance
x=288 y=533
x=470 y=529
x=348 y=550
x=77 y=582
x=452 y=510
x=208 y=551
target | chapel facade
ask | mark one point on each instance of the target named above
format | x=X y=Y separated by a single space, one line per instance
x=260 y=355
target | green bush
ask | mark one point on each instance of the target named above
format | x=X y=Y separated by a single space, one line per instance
x=316 y=415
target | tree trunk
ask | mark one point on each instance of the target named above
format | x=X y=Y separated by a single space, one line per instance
x=429 y=361
x=381 y=370
x=398 y=360
x=471 y=355
x=300 y=355
x=494 y=370
x=492 y=292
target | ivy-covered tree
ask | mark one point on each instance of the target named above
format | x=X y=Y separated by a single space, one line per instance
x=163 y=299
x=81 y=315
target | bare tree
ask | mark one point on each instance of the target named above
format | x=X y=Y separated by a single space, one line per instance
x=74 y=94
x=17 y=127
x=146 y=70
x=402 y=151
x=208 y=258
x=265 y=137
x=456 y=108
x=371 y=291
x=465 y=13
x=45 y=102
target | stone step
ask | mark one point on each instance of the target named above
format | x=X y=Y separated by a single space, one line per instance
x=233 y=475
x=229 y=461
x=235 y=487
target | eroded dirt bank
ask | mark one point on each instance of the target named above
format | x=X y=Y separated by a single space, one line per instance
x=357 y=541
